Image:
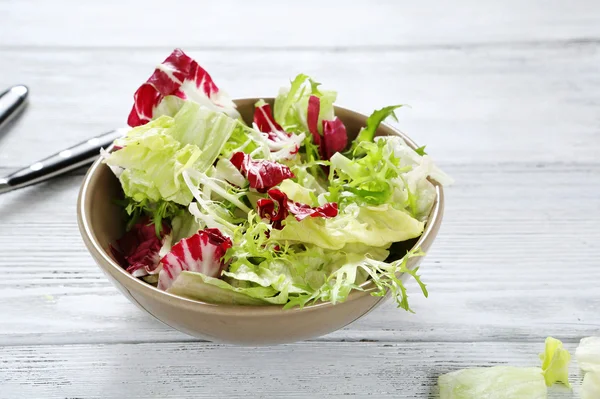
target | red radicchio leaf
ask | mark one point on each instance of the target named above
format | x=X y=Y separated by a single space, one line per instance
x=312 y=118
x=278 y=206
x=180 y=76
x=279 y=139
x=273 y=209
x=203 y=253
x=302 y=211
x=261 y=174
x=263 y=117
x=138 y=248
x=335 y=138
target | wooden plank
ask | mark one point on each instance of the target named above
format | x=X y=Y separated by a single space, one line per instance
x=273 y=24
x=500 y=104
x=516 y=259
x=196 y=370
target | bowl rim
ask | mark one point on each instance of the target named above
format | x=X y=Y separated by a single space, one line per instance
x=129 y=282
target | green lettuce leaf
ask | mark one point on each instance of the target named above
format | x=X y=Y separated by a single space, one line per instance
x=389 y=172
x=219 y=214
x=298 y=193
x=199 y=287
x=184 y=225
x=555 y=362
x=204 y=128
x=500 y=382
x=367 y=133
x=248 y=140
x=154 y=155
x=347 y=272
x=374 y=226
x=291 y=105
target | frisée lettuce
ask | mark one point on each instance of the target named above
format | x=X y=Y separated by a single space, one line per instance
x=278 y=210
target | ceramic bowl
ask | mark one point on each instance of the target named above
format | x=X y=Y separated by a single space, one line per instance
x=100 y=224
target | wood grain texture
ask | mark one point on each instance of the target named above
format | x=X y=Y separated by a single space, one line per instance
x=500 y=270
x=502 y=104
x=199 y=370
x=504 y=93
x=267 y=24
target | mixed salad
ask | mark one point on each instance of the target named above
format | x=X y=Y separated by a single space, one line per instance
x=286 y=211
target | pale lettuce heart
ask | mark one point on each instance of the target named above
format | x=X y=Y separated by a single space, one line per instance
x=500 y=382
x=588 y=354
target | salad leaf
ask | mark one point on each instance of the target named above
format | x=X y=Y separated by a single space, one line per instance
x=292 y=104
x=177 y=80
x=421 y=151
x=200 y=287
x=365 y=181
x=210 y=213
x=153 y=158
x=156 y=211
x=499 y=382
x=271 y=213
x=247 y=140
x=278 y=206
x=264 y=121
x=367 y=134
x=297 y=193
x=348 y=271
x=312 y=118
x=590 y=389
x=374 y=226
x=184 y=225
x=225 y=170
x=588 y=354
x=555 y=362
x=207 y=129
x=261 y=174
x=389 y=172
x=140 y=247
x=283 y=145
x=203 y=252
x=335 y=138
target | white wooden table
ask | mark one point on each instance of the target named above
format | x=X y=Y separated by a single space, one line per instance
x=506 y=95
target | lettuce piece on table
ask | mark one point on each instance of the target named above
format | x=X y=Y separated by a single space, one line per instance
x=590 y=389
x=500 y=382
x=555 y=362
x=178 y=79
x=588 y=354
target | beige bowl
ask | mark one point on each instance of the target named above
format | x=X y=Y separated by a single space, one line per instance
x=100 y=224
